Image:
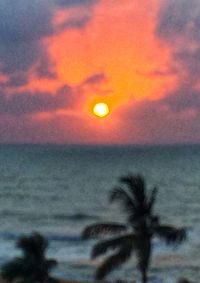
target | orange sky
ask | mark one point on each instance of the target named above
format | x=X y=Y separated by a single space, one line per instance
x=126 y=53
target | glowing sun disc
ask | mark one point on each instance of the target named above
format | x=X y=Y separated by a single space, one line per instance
x=101 y=110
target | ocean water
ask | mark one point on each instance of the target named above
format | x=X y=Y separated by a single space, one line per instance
x=58 y=190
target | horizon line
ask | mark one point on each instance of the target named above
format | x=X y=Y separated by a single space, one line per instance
x=100 y=144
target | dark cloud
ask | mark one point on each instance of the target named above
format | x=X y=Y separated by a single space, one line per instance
x=172 y=119
x=183 y=99
x=188 y=61
x=176 y=117
x=19 y=57
x=24 y=20
x=28 y=103
x=23 y=26
x=16 y=80
x=95 y=79
x=178 y=18
x=20 y=103
x=73 y=23
x=158 y=73
x=71 y=3
x=178 y=25
x=44 y=67
x=54 y=129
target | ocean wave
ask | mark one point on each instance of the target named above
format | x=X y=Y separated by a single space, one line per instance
x=58 y=216
x=64 y=238
x=22 y=215
x=10 y=235
x=48 y=236
x=85 y=263
x=75 y=216
x=27 y=195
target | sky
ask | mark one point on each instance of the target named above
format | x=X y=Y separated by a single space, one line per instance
x=60 y=57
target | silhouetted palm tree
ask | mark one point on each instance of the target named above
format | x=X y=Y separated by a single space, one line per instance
x=33 y=266
x=184 y=280
x=136 y=236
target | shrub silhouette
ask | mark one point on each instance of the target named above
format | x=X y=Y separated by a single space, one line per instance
x=137 y=234
x=33 y=266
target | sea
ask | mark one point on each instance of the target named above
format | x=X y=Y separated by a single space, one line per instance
x=58 y=190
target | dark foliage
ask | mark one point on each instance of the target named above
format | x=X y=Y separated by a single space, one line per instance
x=33 y=266
x=142 y=225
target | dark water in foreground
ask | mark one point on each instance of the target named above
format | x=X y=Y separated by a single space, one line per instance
x=57 y=190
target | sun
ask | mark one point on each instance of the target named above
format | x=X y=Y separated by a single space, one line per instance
x=101 y=110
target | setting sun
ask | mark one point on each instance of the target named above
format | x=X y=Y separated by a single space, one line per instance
x=101 y=110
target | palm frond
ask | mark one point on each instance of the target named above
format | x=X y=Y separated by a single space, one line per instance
x=171 y=234
x=34 y=244
x=119 y=194
x=13 y=270
x=152 y=199
x=136 y=185
x=32 y=266
x=51 y=263
x=102 y=229
x=113 y=261
x=103 y=246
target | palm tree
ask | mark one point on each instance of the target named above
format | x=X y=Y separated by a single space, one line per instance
x=32 y=266
x=136 y=236
x=184 y=280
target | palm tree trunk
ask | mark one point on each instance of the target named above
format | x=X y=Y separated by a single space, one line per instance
x=144 y=257
x=144 y=276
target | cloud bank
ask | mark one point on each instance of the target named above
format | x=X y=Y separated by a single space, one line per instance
x=57 y=56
